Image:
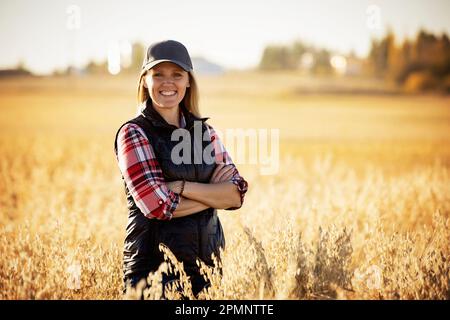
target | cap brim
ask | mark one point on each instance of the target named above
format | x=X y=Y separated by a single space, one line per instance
x=150 y=65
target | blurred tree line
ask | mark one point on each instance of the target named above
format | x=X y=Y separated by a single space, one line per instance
x=416 y=65
x=419 y=64
x=296 y=56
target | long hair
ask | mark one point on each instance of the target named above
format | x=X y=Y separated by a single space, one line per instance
x=190 y=100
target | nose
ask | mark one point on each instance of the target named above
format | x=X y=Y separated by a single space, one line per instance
x=168 y=84
x=167 y=79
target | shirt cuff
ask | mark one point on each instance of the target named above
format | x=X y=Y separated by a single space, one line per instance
x=169 y=206
x=242 y=187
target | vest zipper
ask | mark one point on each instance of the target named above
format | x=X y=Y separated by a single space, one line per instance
x=192 y=155
x=198 y=217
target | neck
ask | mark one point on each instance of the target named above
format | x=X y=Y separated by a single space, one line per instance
x=171 y=115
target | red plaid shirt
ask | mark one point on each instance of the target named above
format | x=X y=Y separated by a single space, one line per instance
x=144 y=178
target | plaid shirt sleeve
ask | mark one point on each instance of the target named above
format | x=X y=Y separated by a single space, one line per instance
x=222 y=156
x=142 y=174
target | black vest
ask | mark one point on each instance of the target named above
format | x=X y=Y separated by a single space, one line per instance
x=191 y=237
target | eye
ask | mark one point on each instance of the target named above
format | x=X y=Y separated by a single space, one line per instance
x=178 y=75
x=157 y=74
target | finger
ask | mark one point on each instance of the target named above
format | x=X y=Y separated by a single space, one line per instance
x=227 y=176
x=169 y=185
x=216 y=171
x=226 y=170
x=172 y=185
x=230 y=174
x=218 y=174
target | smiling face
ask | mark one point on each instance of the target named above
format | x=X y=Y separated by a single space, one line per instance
x=166 y=83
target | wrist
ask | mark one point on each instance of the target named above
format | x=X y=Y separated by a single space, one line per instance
x=189 y=186
x=182 y=186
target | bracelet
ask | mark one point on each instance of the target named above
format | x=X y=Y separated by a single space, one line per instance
x=182 y=187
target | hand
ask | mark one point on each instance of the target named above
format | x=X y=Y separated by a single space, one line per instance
x=175 y=186
x=223 y=172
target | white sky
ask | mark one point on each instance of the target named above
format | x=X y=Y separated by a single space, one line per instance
x=232 y=33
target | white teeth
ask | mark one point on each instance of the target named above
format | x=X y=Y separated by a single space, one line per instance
x=168 y=93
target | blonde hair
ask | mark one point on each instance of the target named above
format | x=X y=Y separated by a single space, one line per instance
x=190 y=99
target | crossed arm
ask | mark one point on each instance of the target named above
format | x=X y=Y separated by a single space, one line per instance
x=220 y=193
x=159 y=199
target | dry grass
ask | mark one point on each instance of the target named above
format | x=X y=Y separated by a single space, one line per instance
x=359 y=210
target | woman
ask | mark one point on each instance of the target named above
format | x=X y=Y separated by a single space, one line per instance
x=173 y=186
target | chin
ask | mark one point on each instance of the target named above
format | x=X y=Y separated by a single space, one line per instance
x=166 y=106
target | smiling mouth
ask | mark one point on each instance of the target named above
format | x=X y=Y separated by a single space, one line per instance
x=168 y=93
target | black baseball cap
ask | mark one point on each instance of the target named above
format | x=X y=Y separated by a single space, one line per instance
x=167 y=51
